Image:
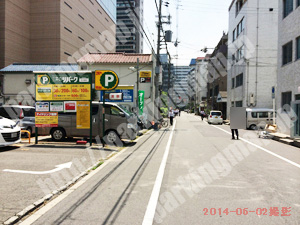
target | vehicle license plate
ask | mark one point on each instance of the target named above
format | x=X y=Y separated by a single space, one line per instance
x=13 y=135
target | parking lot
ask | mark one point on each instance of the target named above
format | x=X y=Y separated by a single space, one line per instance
x=29 y=172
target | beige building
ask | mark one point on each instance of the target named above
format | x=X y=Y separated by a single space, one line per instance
x=55 y=31
x=122 y=64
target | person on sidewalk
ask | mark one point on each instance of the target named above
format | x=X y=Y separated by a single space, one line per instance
x=171 y=115
x=236 y=134
x=237 y=120
x=202 y=114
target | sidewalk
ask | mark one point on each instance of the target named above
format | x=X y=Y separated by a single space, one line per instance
x=283 y=138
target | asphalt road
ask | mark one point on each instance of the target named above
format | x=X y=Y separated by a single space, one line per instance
x=191 y=173
x=29 y=172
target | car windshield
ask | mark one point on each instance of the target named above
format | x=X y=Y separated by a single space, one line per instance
x=216 y=113
x=126 y=110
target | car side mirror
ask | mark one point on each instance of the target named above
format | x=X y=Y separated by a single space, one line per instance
x=122 y=114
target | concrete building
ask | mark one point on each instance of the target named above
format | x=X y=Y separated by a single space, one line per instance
x=217 y=77
x=252 y=53
x=19 y=82
x=129 y=23
x=55 y=31
x=180 y=93
x=201 y=73
x=121 y=63
x=167 y=73
x=288 y=79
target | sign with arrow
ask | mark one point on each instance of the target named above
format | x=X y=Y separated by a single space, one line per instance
x=58 y=168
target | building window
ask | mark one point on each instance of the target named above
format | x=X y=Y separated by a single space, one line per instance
x=287 y=7
x=298 y=47
x=233 y=58
x=240 y=53
x=91 y=26
x=238 y=6
x=232 y=83
x=232 y=104
x=298 y=3
x=68 y=29
x=239 y=80
x=286 y=98
x=239 y=104
x=99 y=11
x=81 y=38
x=68 y=54
x=297 y=97
x=240 y=27
x=68 y=5
x=234 y=35
x=91 y=2
x=287 y=53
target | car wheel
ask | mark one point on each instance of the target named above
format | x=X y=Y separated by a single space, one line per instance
x=58 y=134
x=253 y=127
x=111 y=137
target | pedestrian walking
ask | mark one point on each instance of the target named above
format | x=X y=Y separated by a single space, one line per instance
x=236 y=131
x=171 y=115
x=202 y=114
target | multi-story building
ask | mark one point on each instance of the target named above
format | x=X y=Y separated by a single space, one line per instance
x=129 y=22
x=201 y=73
x=252 y=53
x=181 y=89
x=217 y=77
x=167 y=73
x=55 y=31
x=192 y=82
x=288 y=79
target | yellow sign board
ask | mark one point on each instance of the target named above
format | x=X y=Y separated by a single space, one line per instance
x=46 y=119
x=83 y=115
x=66 y=92
x=145 y=74
x=106 y=80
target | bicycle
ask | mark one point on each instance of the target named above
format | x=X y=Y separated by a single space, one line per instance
x=164 y=123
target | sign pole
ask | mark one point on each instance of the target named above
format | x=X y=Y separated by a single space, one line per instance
x=103 y=118
x=91 y=114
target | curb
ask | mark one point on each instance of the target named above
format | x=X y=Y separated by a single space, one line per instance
x=20 y=215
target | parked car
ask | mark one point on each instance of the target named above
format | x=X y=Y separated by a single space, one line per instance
x=215 y=117
x=118 y=124
x=10 y=132
x=24 y=114
x=259 y=117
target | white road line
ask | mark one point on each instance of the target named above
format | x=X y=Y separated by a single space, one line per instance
x=30 y=220
x=261 y=148
x=150 y=212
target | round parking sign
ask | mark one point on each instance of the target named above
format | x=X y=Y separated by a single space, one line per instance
x=106 y=80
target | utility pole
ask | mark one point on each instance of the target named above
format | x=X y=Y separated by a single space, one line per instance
x=137 y=82
x=156 y=83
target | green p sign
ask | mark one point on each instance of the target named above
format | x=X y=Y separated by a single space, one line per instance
x=106 y=80
x=141 y=102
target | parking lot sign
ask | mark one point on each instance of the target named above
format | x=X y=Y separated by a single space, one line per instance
x=106 y=80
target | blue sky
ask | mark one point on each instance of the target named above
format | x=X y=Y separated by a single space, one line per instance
x=200 y=23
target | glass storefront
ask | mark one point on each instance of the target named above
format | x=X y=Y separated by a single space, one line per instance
x=110 y=7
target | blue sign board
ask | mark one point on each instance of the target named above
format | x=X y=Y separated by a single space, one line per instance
x=127 y=95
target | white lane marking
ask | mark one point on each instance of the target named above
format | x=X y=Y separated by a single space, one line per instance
x=58 y=168
x=261 y=148
x=30 y=220
x=150 y=212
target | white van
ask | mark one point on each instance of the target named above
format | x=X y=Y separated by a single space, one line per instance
x=259 y=117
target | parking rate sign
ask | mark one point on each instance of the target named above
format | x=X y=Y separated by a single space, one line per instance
x=106 y=80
